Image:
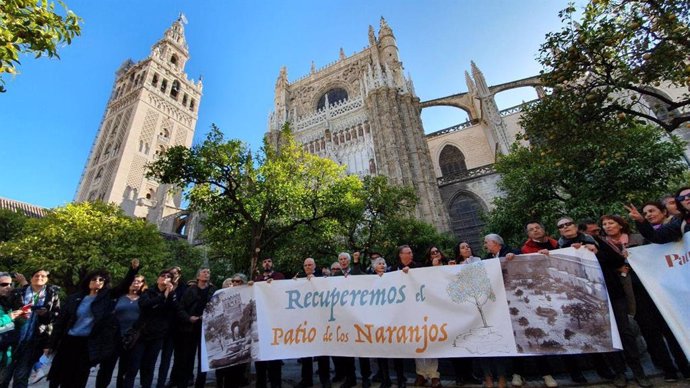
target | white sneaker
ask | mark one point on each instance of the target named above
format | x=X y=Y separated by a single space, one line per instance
x=517 y=380
x=550 y=382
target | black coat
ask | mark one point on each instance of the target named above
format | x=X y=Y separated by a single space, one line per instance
x=192 y=302
x=104 y=338
x=157 y=313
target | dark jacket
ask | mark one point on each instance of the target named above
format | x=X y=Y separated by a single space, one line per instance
x=274 y=275
x=505 y=249
x=669 y=232
x=609 y=261
x=192 y=304
x=43 y=330
x=400 y=266
x=104 y=338
x=157 y=313
x=531 y=246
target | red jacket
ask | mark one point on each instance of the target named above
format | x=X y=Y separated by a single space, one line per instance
x=531 y=246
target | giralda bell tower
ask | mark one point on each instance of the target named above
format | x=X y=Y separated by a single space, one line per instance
x=153 y=106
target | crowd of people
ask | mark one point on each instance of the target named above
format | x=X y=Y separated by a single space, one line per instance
x=131 y=325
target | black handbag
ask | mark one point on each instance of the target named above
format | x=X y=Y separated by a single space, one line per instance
x=131 y=337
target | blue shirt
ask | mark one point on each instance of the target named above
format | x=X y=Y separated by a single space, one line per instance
x=127 y=312
x=84 y=324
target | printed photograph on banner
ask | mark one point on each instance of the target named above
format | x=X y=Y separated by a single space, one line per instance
x=479 y=296
x=558 y=303
x=230 y=328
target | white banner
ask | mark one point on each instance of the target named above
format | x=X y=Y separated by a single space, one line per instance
x=665 y=272
x=554 y=304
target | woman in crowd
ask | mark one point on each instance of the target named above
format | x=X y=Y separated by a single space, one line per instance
x=655 y=213
x=463 y=254
x=158 y=308
x=86 y=331
x=434 y=257
x=670 y=231
x=43 y=301
x=126 y=312
x=611 y=262
x=652 y=325
x=233 y=376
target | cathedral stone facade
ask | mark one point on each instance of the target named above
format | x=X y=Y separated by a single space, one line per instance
x=361 y=111
x=153 y=106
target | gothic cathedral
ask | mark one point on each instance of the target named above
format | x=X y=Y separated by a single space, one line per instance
x=362 y=111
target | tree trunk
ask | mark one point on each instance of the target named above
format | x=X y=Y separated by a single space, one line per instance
x=481 y=314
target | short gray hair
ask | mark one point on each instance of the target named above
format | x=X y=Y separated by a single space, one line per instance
x=345 y=254
x=5 y=275
x=376 y=261
x=495 y=238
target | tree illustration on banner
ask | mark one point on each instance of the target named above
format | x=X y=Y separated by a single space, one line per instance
x=472 y=285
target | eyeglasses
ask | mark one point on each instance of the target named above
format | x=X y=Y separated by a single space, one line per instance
x=98 y=279
x=565 y=225
x=5 y=284
x=236 y=281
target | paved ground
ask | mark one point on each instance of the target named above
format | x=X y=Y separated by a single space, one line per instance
x=291 y=376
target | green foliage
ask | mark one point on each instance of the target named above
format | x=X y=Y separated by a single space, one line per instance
x=33 y=27
x=377 y=221
x=263 y=198
x=77 y=238
x=618 y=54
x=580 y=167
x=11 y=224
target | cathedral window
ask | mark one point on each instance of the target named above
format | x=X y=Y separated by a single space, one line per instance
x=191 y=104
x=173 y=59
x=154 y=80
x=106 y=153
x=164 y=85
x=184 y=99
x=451 y=161
x=466 y=219
x=175 y=89
x=99 y=175
x=165 y=133
x=334 y=95
x=150 y=194
x=141 y=145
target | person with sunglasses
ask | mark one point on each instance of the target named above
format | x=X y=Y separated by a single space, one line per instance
x=86 y=331
x=610 y=262
x=43 y=302
x=157 y=311
x=8 y=331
